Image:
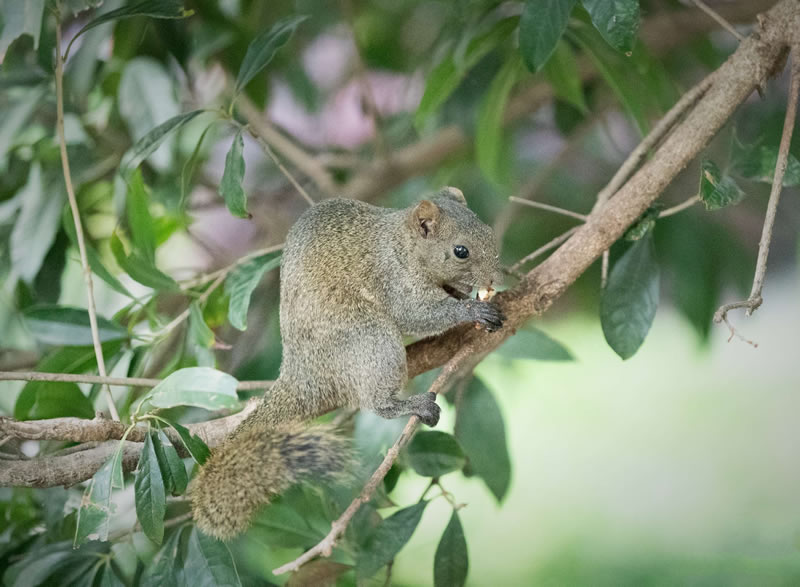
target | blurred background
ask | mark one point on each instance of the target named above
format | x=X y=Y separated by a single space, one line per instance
x=675 y=466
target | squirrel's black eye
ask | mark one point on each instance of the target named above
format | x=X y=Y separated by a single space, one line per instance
x=461 y=251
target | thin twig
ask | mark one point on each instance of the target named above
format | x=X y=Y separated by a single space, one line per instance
x=180 y=318
x=753 y=302
x=543 y=249
x=73 y=204
x=719 y=20
x=104 y=380
x=548 y=207
x=680 y=207
x=268 y=150
x=203 y=279
x=325 y=546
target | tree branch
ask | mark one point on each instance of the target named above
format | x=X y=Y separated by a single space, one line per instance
x=116 y=381
x=76 y=218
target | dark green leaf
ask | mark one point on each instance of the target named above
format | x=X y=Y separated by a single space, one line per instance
x=388 y=539
x=149 y=492
x=433 y=453
x=240 y=285
x=106 y=576
x=230 y=187
x=540 y=28
x=202 y=387
x=532 y=343
x=95 y=263
x=151 y=141
x=644 y=225
x=263 y=48
x=140 y=268
x=616 y=20
x=193 y=443
x=62 y=325
x=171 y=465
x=489 y=134
x=96 y=507
x=562 y=73
x=717 y=190
x=151 y=8
x=20 y=18
x=628 y=303
x=209 y=562
x=201 y=334
x=40 y=566
x=163 y=570
x=445 y=77
x=482 y=434
x=757 y=162
x=140 y=221
x=451 y=562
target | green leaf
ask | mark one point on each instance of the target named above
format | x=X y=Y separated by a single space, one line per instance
x=95 y=262
x=540 y=28
x=757 y=162
x=106 y=576
x=482 y=434
x=717 y=190
x=17 y=113
x=644 y=225
x=171 y=465
x=388 y=539
x=240 y=284
x=532 y=343
x=445 y=77
x=561 y=71
x=193 y=443
x=616 y=20
x=628 y=303
x=209 y=562
x=165 y=567
x=145 y=146
x=96 y=507
x=139 y=268
x=149 y=493
x=36 y=226
x=151 y=8
x=451 y=562
x=202 y=387
x=147 y=98
x=263 y=48
x=489 y=144
x=230 y=187
x=199 y=331
x=140 y=221
x=433 y=453
x=20 y=18
x=62 y=325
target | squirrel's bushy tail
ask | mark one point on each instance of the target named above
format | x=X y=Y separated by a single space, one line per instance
x=253 y=465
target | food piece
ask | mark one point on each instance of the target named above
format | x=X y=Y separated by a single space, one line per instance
x=486 y=293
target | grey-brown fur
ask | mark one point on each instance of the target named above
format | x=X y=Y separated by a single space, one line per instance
x=355 y=279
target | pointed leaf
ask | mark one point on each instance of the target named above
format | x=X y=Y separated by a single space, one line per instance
x=540 y=28
x=628 y=303
x=202 y=387
x=63 y=325
x=263 y=48
x=718 y=190
x=230 y=187
x=165 y=567
x=149 y=493
x=193 y=443
x=140 y=269
x=171 y=465
x=433 y=453
x=388 y=539
x=757 y=162
x=240 y=285
x=199 y=331
x=96 y=507
x=140 y=221
x=489 y=136
x=532 y=343
x=562 y=73
x=482 y=434
x=209 y=562
x=451 y=562
x=616 y=20
x=145 y=146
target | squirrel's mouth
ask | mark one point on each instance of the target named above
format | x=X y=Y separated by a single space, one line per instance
x=458 y=291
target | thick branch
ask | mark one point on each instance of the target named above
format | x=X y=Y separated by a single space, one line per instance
x=116 y=381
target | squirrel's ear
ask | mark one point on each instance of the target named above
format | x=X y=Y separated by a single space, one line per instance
x=424 y=218
x=454 y=194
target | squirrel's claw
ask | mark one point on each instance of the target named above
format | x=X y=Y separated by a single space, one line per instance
x=427 y=410
x=489 y=316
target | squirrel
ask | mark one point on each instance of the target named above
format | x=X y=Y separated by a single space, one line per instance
x=354 y=280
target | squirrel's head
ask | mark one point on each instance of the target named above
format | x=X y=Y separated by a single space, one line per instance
x=456 y=249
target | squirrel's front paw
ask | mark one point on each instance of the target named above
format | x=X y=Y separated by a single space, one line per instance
x=426 y=409
x=486 y=314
